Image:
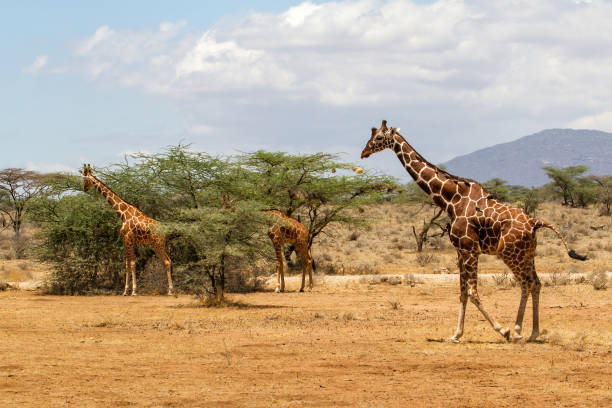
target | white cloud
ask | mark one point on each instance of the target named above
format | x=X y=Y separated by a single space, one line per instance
x=44 y=167
x=531 y=56
x=39 y=63
x=470 y=73
x=200 y=129
x=600 y=121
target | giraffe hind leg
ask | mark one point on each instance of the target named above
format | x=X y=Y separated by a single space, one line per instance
x=535 y=298
x=523 y=268
x=306 y=267
x=160 y=251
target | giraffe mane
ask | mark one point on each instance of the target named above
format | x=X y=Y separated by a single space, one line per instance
x=448 y=175
x=111 y=190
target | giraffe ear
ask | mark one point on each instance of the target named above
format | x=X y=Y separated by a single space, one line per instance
x=397 y=129
x=384 y=125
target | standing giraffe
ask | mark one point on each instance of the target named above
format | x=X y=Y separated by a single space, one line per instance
x=480 y=224
x=289 y=231
x=136 y=228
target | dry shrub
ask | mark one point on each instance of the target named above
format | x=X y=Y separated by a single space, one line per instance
x=395 y=304
x=153 y=280
x=347 y=316
x=353 y=236
x=324 y=257
x=390 y=258
x=557 y=278
x=394 y=280
x=501 y=279
x=424 y=258
x=599 y=280
x=411 y=280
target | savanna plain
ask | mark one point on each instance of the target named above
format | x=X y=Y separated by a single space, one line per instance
x=371 y=333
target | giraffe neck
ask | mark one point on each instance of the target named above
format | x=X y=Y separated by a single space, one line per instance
x=440 y=186
x=118 y=204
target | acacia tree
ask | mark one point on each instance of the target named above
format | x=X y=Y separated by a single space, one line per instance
x=434 y=217
x=319 y=189
x=185 y=173
x=566 y=181
x=17 y=188
x=604 y=193
x=182 y=189
x=218 y=241
x=498 y=188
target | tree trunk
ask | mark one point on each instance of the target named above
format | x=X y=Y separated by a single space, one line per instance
x=421 y=236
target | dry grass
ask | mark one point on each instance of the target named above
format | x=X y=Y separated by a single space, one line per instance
x=341 y=347
x=388 y=247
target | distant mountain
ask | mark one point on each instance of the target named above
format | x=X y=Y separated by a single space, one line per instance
x=520 y=162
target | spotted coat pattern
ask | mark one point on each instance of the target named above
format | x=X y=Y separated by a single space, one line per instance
x=136 y=228
x=479 y=224
x=286 y=230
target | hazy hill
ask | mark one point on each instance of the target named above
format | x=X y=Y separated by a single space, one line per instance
x=520 y=162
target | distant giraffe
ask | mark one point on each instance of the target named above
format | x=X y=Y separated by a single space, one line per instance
x=136 y=228
x=480 y=224
x=289 y=231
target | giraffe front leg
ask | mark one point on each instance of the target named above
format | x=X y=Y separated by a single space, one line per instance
x=129 y=260
x=463 y=303
x=280 y=276
x=160 y=251
x=471 y=267
x=133 y=268
x=127 y=277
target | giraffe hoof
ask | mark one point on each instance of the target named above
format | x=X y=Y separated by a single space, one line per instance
x=533 y=337
x=170 y=293
x=124 y=294
x=302 y=290
x=516 y=337
x=505 y=332
x=277 y=290
x=453 y=340
x=134 y=294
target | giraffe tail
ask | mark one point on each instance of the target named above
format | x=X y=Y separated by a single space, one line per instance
x=312 y=262
x=572 y=254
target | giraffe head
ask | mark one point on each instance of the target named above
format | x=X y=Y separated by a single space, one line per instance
x=227 y=202
x=87 y=177
x=381 y=139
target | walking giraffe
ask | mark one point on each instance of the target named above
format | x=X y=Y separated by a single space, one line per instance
x=289 y=231
x=136 y=228
x=480 y=224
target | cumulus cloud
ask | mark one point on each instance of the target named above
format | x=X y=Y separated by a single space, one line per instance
x=44 y=167
x=39 y=63
x=480 y=68
x=530 y=56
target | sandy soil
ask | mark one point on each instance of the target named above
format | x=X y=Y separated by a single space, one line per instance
x=368 y=345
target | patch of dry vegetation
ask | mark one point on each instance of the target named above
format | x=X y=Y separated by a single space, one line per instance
x=387 y=246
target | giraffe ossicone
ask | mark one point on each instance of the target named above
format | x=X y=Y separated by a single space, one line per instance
x=136 y=228
x=480 y=224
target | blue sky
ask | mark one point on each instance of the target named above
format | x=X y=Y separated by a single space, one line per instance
x=55 y=120
x=91 y=81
